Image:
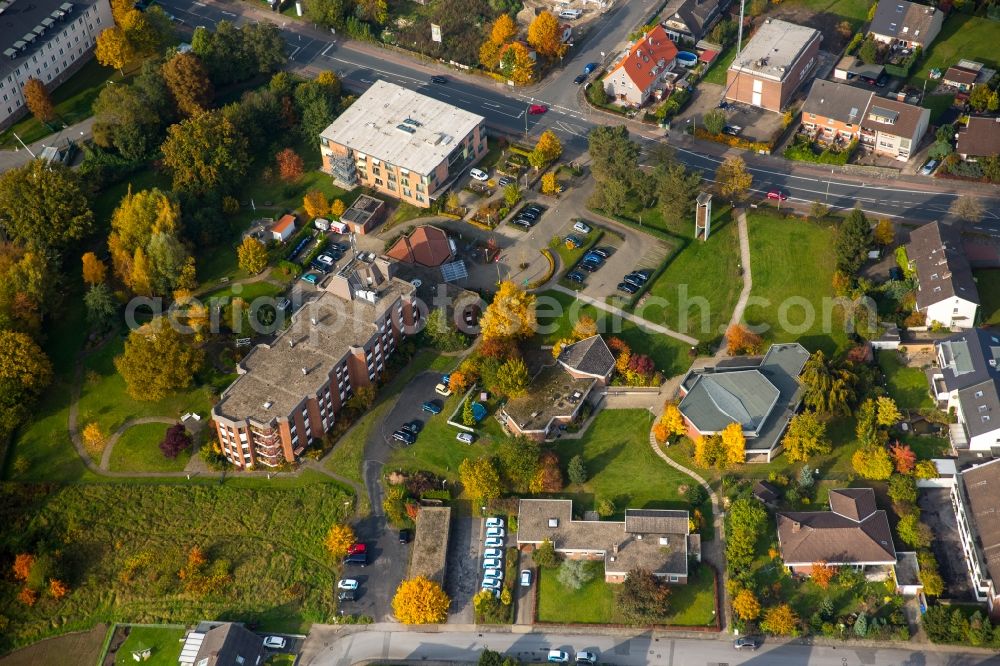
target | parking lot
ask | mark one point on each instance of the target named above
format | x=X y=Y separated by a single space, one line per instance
x=386 y=568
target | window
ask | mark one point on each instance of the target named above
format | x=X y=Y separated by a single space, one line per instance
x=979 y=394
x=674 y=579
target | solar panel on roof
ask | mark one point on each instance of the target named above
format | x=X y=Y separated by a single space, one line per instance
x=453 y=271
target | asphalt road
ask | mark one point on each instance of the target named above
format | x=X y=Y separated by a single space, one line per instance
x=465 y=646
x=505 y=109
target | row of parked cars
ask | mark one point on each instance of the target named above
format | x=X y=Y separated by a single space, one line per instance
x=562 y=657
x=591 y=263
x=493 y=555
x=528 y=216
x=633 y=282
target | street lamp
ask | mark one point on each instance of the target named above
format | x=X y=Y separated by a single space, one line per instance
x=527 y=112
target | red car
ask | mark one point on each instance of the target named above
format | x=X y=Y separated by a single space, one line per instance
x=356 y=549
x=537 y=109
x=777 y=195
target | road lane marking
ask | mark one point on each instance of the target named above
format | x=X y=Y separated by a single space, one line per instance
x=329 y=46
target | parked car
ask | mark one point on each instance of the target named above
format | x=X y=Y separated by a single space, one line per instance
x=493 y=542
x=527 y=224
x=325 y=259
x=357 y=548
x=413 y=427
x=495 y=532
x=589 y=67
x=493 y=552
x=746 y=643
x=570 y=14
x=442 y=389
x=275 y=642
x=322 y=268
x=311 y=278
x=558 y=657
x=494 y=522
x=586 y=657
x=357 y=559
x=628 y=287
x=493 y=573
x=929 y=168
x=582 y=227
x=573 y=242
x=347 y=584
x=492 y=563
x=347 y=595
x=526 y=578
x=491 y=584
x=528 y=214
x=404 y=536
x=431 y=407
x=465 y=437
x=777 y=195
x=479 y=175
x=601 y=252
x=575 y=276
x=732 y=130
x=404 y=436
x=631 y=279
x=537 y=109
x=439 y=80
x=339 y=247
x=640 y=277
x=580 y=78
x=589 y=266
x=593 y=258
x=534 y=208
x=504 y=181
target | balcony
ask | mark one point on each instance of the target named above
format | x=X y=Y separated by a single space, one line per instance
x=959 y=439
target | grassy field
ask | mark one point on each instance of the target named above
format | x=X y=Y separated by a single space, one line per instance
x=797 y=295
x=988 y=283
x=962 y=36
x=669 y=354
x=855 y=10
x=138 y=450
x=693 y=604
x=165 y=643
x=85 y=646
x=122 y=546
x=706 y=276
x=907 y=386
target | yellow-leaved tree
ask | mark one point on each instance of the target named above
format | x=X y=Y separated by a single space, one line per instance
x=339 y=539
x=732 y=177
x=337 y=208
x=780 y=621
x=93 y=438
x=545 y=35
x=315 y=203
x=252 y=255
x=113 y=48
x=94 y=270
x=673 y=420
x=517 y=64
x=511 y=314
x=504 y=29
x=547 y=150
x=420 y=601
x=480 y=478
x=746 y=605
x=157 y=360
x=734 y=444
x=549 y=183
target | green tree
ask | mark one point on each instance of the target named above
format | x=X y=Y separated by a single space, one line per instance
x=327 y=13
x=677 y=190
x=577 y=470
x=643 y=598
x=868 y=53
x=872 y=462
x=518 y=458
x=744 y=523
x=25 y=371
x=614 y=156
x=982 y=98
x=206 y=154
x=512 y=378
x=43 y=206
x=714 y=121
x=252 y=255
x=480 y=478
x=827 y=387
x=316 y=103
x=145 y=251
x=545 y=555
x=442 y=331
x=902 y=489
x=805 y=437
x=511 y=194
x=854 y=239
x=468 y=417
x=913 y=532
x=101 y=307
x=574 y=574
x=157 y=359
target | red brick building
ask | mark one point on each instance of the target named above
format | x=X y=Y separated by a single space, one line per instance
x=776 y=61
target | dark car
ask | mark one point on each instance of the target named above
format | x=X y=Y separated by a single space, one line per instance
x=747 y=643
x=404 y=436
x=637 y=277
x=439 y=79
x=431 y=407
x=404 y=536
x=881 y=81
x=589 y=267
x=321 y=267
x=632 y=280
x=413 y=426
x=529 y=214
x=591 y=66
x=627 y=287
x=593 y=258
x=575 y=276
x=504 y=181
x=896 y=273
x=339 y=247
x=523 y=223
x=646 y=273
x=357 y=559
x=600 y=252
x=732 y=130
x=347 y=595
x=580 y=79
x=723 y=104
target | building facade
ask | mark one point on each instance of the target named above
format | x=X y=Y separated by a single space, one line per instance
x=289 y=392
x=643 y=69
x=975 y=499
x=46 y=40
x=893 y=129
x=946 y=289
x=402 y=144
x=776 y=61
x=833 y=111
x=979 y=138
x=966 y=382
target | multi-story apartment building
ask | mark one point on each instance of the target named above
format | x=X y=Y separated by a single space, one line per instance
x=893 y=129
x=289 y=392
x=966 y=383
x=772 y=66
x=833 y=111
x=401 y=143
x=46 y=40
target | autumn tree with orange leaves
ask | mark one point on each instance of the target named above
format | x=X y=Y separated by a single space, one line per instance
x=290 y=165
x=741 y=340
x=822 y=573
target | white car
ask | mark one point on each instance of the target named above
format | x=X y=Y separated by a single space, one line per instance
x=582 y=227
x=325 y=259
x=586 y=657
x=525 y=578
x=275 y=642
x=492 y=563
x=347 y=584
x=465 y=437
x=491 y=584
x=493 y=542
x=442 y=389
x=493 y=573
x=495 y=553
x=494 y=522
x=558 y=657
x=479 y=175
x=495 y=532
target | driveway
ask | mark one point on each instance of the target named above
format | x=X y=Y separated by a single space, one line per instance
x=938 y=514
x=463 y=563
x=387 y=564
x=525 y=596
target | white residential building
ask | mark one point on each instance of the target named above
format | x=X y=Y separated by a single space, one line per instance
x=966 y=381
x=947 y=291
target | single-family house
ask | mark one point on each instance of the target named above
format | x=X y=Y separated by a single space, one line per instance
x=642 y=70
x=959 y=77
x=760 y=393
x=692 y=20
x=946 y=290
x=906 y=24
x=773 y=65
x=853 y=533
x=589 y=358
x=658 y=541
x=833 y=111
x=975 y=499
x=980 y=138
x=222 y=644
x=893 y=129
x=283 y=228
x=425 y=245
x=966 y=382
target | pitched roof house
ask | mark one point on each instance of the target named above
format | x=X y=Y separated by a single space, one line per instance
x=980 y=138
x=643 y=68
x=852 y=533
x=905 y=23
x=651 y=539
x=834 y=110
x=893 y=129
x=426 y=245
x=692 y=19
x=968 y=381
x=976 y=499
x=222 y=644
x=960 y=77
x=760 y=393
x=946 y=289
x=589 y=357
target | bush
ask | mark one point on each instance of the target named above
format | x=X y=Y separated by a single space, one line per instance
x=695 y=494
x=803 y=150
x=574 y=574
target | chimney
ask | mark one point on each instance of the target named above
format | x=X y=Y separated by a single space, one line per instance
x=614 y=549
x=796 y=526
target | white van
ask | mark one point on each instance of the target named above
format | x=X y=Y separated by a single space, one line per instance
x=339 y=227
x=571 y=14
x=322 y=224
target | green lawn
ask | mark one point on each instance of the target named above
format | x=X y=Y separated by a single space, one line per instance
x=126 y=543
x=854 y=10
x=701 y=283
x=792 y=264
x=693 y=604
x=138 y=450
x=165 y=643
x=907 y=386
x=962 y=36
x=988 y=284
x=717 y=74
x=73 y=101
x=559 y=311
x=938 y=104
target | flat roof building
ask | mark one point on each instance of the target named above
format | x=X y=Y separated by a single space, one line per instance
x=46 y=40
x=772 y=66
x=401 y=143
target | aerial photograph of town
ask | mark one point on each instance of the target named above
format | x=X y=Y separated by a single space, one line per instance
x=500 y=332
